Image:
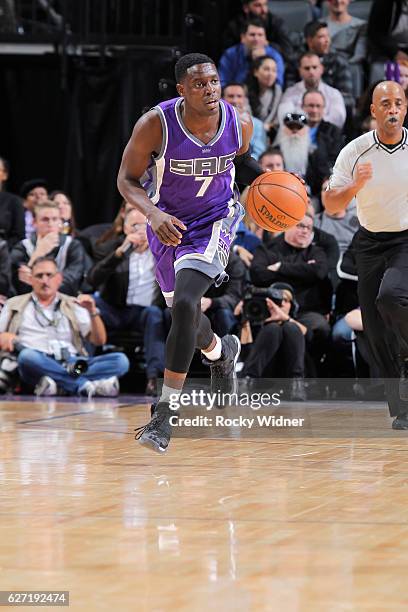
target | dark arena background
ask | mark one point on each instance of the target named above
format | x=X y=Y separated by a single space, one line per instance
x=75 y=77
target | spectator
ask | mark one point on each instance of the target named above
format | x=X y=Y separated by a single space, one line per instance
x=342 y=225
x=264 y=93
x=48 y=240
x=96 y=238
x=245 y=243
x=388 y=30
x=347 y=329
x=66 y=211
x=403 y=71
x=348 y=34
x=235 y=62
x=329 y=245
x=272 y=159
x=302 y=157
x=33 y=192
x=6 y=288
x=292 y=258
x=316 y=7
x=50 y=328
x=276 y=32
x=336 y=67
x=323 y=135
x=128 y=290
x=11 y=210
x=219 y=302
x=281 y=338
x=116 y=229
x=235 y=94
x=311 y=70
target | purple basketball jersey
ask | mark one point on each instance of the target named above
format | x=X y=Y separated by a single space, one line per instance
x=189 y=179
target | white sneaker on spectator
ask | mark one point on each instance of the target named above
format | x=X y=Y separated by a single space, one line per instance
x=105 y=387
x=88 y=389
x=46 y=386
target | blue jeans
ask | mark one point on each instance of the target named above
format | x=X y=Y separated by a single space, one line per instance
x=34 y=364
x=147 y=319
x=342 y=331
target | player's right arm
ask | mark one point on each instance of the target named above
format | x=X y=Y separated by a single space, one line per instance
x=146 y=140
x=336 y=199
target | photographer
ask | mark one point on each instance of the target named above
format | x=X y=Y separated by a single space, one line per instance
x=280 y=336
x=293 y=258
x=47 y=329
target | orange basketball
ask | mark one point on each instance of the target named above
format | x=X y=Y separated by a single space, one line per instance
x=277 y=200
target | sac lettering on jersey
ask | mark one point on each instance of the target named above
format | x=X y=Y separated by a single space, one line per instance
x=209 y=166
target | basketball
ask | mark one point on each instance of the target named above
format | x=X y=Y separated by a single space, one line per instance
x=277 y=200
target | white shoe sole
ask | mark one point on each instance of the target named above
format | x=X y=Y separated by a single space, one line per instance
x=147 y=443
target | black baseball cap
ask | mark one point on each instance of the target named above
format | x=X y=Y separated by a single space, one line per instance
x=32 y=184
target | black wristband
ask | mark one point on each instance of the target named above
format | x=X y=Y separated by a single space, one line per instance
x=247 y=169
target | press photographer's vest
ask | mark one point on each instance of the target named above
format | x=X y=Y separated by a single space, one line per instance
x=18 y=304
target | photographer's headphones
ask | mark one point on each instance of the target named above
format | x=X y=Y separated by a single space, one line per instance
x=294 y=307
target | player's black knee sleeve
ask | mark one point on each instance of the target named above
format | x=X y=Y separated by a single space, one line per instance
x=187 y=323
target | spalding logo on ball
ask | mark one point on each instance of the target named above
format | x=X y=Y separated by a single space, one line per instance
x=277 y=200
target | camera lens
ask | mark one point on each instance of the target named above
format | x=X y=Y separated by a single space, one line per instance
x=79 y=367
x=255 y=310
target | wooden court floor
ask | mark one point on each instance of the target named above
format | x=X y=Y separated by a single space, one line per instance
x=316 y=523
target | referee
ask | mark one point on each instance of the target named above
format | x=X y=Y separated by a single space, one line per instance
x=374 y=169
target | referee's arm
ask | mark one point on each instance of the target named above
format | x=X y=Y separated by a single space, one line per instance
x=336 y=199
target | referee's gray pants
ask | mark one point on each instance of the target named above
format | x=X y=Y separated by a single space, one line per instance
x=382 y=267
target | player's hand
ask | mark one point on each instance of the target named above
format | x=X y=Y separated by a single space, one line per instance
x=164 y=226
x=364 y=172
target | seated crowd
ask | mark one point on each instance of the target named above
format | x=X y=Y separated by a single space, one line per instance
x=70 y=298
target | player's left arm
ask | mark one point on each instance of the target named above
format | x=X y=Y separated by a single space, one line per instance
x=246 y=167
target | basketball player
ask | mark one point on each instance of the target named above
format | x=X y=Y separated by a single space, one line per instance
x=179 y=169
x=374 y=169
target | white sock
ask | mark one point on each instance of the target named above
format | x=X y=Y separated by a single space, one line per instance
x=215 y=353
x=168 y=394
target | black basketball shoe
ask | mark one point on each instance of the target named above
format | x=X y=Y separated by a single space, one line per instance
x=156 y=434
x=400 y=422
x=223 y=373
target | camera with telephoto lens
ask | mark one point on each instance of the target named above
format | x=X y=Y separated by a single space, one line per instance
x=255 y=309
x=75 y=368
